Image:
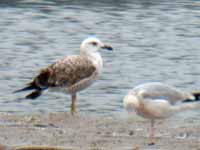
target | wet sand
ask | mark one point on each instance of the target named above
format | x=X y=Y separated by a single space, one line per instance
x=82 y=132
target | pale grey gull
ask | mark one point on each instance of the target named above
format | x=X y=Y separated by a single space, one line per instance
x=157 y=100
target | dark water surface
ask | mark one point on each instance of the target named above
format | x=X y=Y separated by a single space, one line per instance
x=154 y=40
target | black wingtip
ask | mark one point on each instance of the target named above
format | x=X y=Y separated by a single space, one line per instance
x=188 y=101
x=196 y=95
x=30 y=86
x=24 y=89
x=34 y=94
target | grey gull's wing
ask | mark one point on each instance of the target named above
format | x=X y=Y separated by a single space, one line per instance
x=157 y=90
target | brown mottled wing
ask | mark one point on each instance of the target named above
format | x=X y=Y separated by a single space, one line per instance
x=65 y=72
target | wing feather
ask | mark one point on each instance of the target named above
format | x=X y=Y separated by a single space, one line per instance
x=157 y=90
x=65 y=72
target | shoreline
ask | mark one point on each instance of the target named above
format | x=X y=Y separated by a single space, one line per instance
x=95 y=133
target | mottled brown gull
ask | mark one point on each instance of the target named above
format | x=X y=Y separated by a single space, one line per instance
x=72 y=73
x=156 y=100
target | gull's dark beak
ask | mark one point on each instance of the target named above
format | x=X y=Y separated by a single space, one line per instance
x=108 y=47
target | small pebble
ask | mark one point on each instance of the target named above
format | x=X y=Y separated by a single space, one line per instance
x=131 y=133
x=98 y=132
x=61 y=132
x=151 y=144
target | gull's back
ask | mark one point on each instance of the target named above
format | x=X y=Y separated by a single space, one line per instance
x=157 y=90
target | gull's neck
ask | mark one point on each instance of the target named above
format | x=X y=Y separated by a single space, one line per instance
x=96 y=59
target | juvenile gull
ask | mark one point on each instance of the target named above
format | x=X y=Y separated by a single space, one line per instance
x=72 y=73
x=156 y=100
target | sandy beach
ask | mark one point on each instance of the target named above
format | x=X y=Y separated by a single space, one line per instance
x=81 y=132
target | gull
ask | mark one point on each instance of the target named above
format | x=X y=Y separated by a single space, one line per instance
x=70 y=74
x=157 y=100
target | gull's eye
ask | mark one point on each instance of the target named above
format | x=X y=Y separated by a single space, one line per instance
x=94 y=43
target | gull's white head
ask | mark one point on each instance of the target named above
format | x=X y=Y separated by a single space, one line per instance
x=131 y=102
x=92 y=45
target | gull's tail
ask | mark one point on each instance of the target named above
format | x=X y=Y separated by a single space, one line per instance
x=35 y=94
x=39 y=84
x=31 y=86
x=196 y=95
x=189 y=104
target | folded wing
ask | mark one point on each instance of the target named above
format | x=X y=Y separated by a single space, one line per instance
x=157 y=90
x=65 y=72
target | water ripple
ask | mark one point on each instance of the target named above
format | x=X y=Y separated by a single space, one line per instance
x=155 y=40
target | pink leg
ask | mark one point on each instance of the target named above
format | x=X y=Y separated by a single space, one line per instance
x=152 y=129
x=151 y=133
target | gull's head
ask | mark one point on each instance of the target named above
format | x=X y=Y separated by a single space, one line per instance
x=131 y=102
x=92 y=45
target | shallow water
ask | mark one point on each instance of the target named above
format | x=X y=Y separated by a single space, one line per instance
x=157 y=40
